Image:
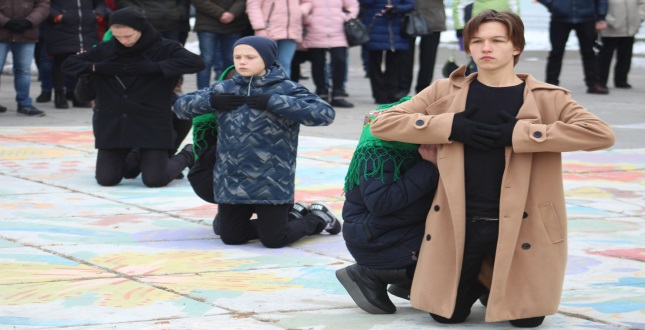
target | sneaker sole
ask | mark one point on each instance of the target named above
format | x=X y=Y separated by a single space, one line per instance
x=356 y=293
x=26 y=115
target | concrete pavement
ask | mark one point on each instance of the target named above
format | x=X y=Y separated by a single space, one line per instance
x=74 y=255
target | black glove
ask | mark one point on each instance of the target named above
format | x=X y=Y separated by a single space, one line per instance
x=142 y=68
x=227 y=101
x=18 y=24
x=471 y=133
x=109 y=68
x=259 y=102
x=506 y=129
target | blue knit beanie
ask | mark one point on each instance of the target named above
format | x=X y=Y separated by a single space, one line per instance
x=266 y=47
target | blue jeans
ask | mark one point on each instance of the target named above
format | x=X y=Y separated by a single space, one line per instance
x=23 y=54
x=286 y=50
x=216 y=49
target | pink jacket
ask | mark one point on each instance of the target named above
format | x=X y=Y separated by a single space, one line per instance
x=324 y=24
x=278 y=19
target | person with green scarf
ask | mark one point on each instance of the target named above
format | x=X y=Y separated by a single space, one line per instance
x=388 y=190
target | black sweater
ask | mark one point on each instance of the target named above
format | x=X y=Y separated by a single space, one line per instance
x=484 y=169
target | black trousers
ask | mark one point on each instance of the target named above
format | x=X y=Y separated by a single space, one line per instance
x=317 y=56
x=428 y=46
x=481 y=241
x=623 y=47
x=58 y=77
x=273 y=226
x=156 y=168
x=559 y=34
x=387 y=85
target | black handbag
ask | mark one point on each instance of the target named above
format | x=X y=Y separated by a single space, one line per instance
x=356 y=32
x=414 y=25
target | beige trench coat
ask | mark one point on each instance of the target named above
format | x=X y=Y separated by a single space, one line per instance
x=532 y=247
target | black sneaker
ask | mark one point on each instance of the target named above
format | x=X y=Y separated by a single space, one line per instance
x=3 y=109
x=341 y=103
x=29 y=110
x=298 y=211
x=323 y=211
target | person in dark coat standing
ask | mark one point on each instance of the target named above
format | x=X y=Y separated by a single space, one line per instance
x=434 y=13
x=387 y=191
x=167 y=16
x=383 y=17
x=71 y=28
x=218 y=25
x=134 y=75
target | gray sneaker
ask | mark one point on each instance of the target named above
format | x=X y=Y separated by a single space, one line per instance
x=29 y=110
x=323 y=211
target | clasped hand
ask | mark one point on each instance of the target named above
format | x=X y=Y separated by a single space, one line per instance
x=479 y=135
x=230 y=101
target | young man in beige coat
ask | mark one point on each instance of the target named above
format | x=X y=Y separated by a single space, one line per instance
x=500 y=197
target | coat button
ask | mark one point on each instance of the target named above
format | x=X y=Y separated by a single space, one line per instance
x=428 y=237
x=525 y=215
x=526 y=246
x=419 y=122
x=537 y=134
x=436 y=208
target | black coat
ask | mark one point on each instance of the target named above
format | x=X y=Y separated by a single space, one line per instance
x=384 y=221
x=135 y=111
x=76 y=31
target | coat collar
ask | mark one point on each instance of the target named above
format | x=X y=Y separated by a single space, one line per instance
x=529 y=111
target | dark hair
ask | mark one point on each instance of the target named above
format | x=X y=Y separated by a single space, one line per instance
x=512 y=22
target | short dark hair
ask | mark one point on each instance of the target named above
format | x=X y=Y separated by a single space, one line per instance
x=513 y=23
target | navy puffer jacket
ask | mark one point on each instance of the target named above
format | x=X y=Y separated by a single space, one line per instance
x=576 y=11
x=385 y=31
x=384 y=220
x=256 y=149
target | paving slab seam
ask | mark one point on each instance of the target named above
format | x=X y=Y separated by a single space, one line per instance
x=588 y=318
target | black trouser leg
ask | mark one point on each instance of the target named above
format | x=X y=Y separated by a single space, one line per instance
x=339 y=70
x=157 y=170
x=427 y=57
x=604 y=58
x=272 y=226
x=317 y=56
x=558 y=35
x=110 y=166
x=624 y=51
x=481 y=240
x=377 y=77
x=586 y=33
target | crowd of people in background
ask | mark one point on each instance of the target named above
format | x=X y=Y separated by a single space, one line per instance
x=305 y=30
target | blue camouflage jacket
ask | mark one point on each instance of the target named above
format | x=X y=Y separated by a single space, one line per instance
x=256 y=149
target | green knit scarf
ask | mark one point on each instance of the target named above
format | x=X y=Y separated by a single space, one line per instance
x=376 y=152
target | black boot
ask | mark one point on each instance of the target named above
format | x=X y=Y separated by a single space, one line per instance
x=60 y=102
x=44 y=97
x=368 y=287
